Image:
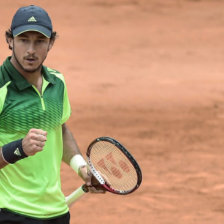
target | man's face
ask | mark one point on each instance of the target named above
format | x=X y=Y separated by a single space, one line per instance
x=30 y=49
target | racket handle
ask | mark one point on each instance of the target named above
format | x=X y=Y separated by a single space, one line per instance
x=75 y=195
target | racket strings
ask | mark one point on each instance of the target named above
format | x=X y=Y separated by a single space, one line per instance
x=114 y=165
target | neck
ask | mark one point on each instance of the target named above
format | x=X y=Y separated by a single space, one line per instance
x=33 y=77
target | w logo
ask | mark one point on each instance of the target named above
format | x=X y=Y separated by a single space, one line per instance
x=114 y=167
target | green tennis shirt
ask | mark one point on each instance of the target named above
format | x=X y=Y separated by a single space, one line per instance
x=32 y=186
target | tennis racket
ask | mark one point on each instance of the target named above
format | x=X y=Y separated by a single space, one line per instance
x=107 y=157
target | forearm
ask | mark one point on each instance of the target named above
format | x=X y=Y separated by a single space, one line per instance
x=72 y=155
x=11 y=153
x=70 y=147
x=2 y=161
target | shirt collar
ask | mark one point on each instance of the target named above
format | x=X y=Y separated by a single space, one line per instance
x=20 y=82
x=48 y=76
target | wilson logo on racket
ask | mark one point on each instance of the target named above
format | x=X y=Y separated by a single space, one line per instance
x=111 y=166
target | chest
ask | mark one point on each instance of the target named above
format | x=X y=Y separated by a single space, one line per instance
x=28 y=109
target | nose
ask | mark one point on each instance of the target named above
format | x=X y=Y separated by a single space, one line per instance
x=31 y=48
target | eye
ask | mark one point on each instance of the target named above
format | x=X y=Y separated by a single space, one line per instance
x=40 y=41
x=24 y=40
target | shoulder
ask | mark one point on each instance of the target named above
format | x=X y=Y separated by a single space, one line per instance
x=4 y=78
x=54 y=74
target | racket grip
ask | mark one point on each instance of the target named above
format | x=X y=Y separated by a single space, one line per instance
x=75 y=195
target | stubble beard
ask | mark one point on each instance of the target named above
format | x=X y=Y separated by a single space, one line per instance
x=24 y=69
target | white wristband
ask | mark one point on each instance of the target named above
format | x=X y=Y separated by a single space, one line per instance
x=76 y=162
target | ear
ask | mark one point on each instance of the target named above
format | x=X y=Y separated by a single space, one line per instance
x=10 y=42
x=50 y=45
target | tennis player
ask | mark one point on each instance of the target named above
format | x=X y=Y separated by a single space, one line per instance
x=34 y=138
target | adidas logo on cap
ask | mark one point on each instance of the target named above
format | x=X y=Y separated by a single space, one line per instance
x=32 y=19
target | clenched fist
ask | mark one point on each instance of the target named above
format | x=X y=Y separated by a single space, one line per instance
x=34 y=141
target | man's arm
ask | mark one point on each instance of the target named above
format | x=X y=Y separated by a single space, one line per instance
x=70 y=147
x=72 y=155
x=2 y=161
x=31 y=144
x=70 y=151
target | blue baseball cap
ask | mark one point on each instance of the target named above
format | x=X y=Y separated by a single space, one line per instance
x=31 y=18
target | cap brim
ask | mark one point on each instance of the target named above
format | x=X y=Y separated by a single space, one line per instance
x=22 y=29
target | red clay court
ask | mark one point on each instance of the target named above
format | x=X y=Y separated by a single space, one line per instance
x=149 y=73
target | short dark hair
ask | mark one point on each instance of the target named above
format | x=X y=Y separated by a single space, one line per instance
x=8 y=34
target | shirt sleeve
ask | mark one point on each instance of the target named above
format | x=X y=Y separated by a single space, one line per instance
x=3 y=93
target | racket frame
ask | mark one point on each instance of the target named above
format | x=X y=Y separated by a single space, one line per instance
x=128 y=156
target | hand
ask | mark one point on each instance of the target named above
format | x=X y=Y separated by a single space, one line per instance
x=91 y=182
x=34 y=141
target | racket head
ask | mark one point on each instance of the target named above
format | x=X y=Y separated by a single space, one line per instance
x=113 y=160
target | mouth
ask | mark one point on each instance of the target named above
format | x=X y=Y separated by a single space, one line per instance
x=30 y=60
